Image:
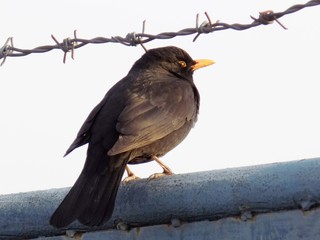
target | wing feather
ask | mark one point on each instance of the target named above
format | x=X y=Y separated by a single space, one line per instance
x=158 y=111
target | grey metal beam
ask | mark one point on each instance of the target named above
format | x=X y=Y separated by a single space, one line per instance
x=282 y=225
x=211 y=195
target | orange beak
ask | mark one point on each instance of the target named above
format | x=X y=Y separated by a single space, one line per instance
x=200 y=63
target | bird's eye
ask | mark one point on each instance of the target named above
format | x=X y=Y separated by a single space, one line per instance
x=182 y=64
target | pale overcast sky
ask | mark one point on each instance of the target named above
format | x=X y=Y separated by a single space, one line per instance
x=259 y=102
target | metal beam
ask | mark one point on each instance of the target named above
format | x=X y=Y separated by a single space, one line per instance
x=241 y=193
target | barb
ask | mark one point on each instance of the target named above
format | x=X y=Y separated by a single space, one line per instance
x=5 y=50
x=143 y=29
x=133 y=39
x=205 y=27
x=267 y=17
x=66 y=46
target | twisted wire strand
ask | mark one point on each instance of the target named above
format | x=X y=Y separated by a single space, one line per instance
x=134 y=39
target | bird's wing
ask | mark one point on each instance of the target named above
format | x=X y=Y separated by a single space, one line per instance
x=83 y=136
x=161 y=109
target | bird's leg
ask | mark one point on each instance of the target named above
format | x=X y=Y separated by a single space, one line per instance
x=131 y=176
x=166 y=170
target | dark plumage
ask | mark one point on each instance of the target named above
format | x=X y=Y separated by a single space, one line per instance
x=142 y=117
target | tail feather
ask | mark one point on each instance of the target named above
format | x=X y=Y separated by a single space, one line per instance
x=91 y=199
x=102 y=199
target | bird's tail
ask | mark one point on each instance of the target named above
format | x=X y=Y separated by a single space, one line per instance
x=91 y=199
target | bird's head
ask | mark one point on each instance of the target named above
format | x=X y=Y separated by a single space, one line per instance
x=170 y=60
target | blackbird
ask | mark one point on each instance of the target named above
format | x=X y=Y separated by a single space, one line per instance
x=142 y=117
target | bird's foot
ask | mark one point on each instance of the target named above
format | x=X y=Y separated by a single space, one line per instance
x=158 y=175
x=130 y=178
x=166 y=170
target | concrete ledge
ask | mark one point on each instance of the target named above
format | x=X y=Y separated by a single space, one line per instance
x=195 y=197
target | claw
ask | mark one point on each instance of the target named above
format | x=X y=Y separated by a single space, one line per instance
x=166 y=170
x=131 y=176
x=159 y=175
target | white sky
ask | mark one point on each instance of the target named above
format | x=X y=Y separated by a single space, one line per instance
x=259 y=102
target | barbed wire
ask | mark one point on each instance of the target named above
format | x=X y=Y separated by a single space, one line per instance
x=134 y=39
